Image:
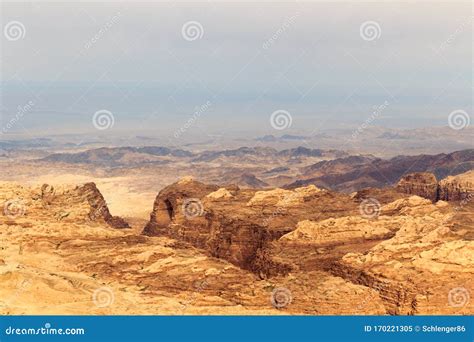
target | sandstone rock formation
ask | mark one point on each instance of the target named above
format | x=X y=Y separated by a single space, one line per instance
x=83 y=203
x=451 y=188
x=284 y=198
x=346 y=229
x=418 y=270
x=423 y=184
x=457 y=188
x=241 y=228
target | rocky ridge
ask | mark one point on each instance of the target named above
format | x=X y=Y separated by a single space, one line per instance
x=451 y=188
x=393 y=249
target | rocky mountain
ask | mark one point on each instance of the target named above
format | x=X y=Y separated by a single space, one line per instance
x=250 y=153
x=272 y=138
x=243 y=152
x=356 y=172
x=117 y=156
x=248 y=180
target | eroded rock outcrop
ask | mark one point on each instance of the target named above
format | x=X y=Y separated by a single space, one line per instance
x=284 y=198
x=342 y=230
x=194 y=212
x=99 y=206
x=73 y=204
x=417 y=270
x=423 y=184
x=457 y=188
x=239 y=225
x=451 y=188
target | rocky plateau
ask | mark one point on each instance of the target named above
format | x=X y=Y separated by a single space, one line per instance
x=213 y=249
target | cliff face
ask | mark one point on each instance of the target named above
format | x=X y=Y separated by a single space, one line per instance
x=240 y=225
x=98 y=206
x=79 y=204
x=170 y=207
x=422 y=184
x=452 y=188
x=209 y=218
x=457 y=188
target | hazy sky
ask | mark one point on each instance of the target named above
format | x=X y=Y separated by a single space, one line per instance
x=246 y=61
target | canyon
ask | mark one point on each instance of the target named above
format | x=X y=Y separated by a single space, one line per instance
x=406 y=249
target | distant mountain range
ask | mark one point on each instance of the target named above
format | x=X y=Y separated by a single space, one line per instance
x=116 y=156
x=357 y=172
x=260 y=167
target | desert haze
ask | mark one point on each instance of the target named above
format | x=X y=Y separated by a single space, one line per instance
x=247 y=230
